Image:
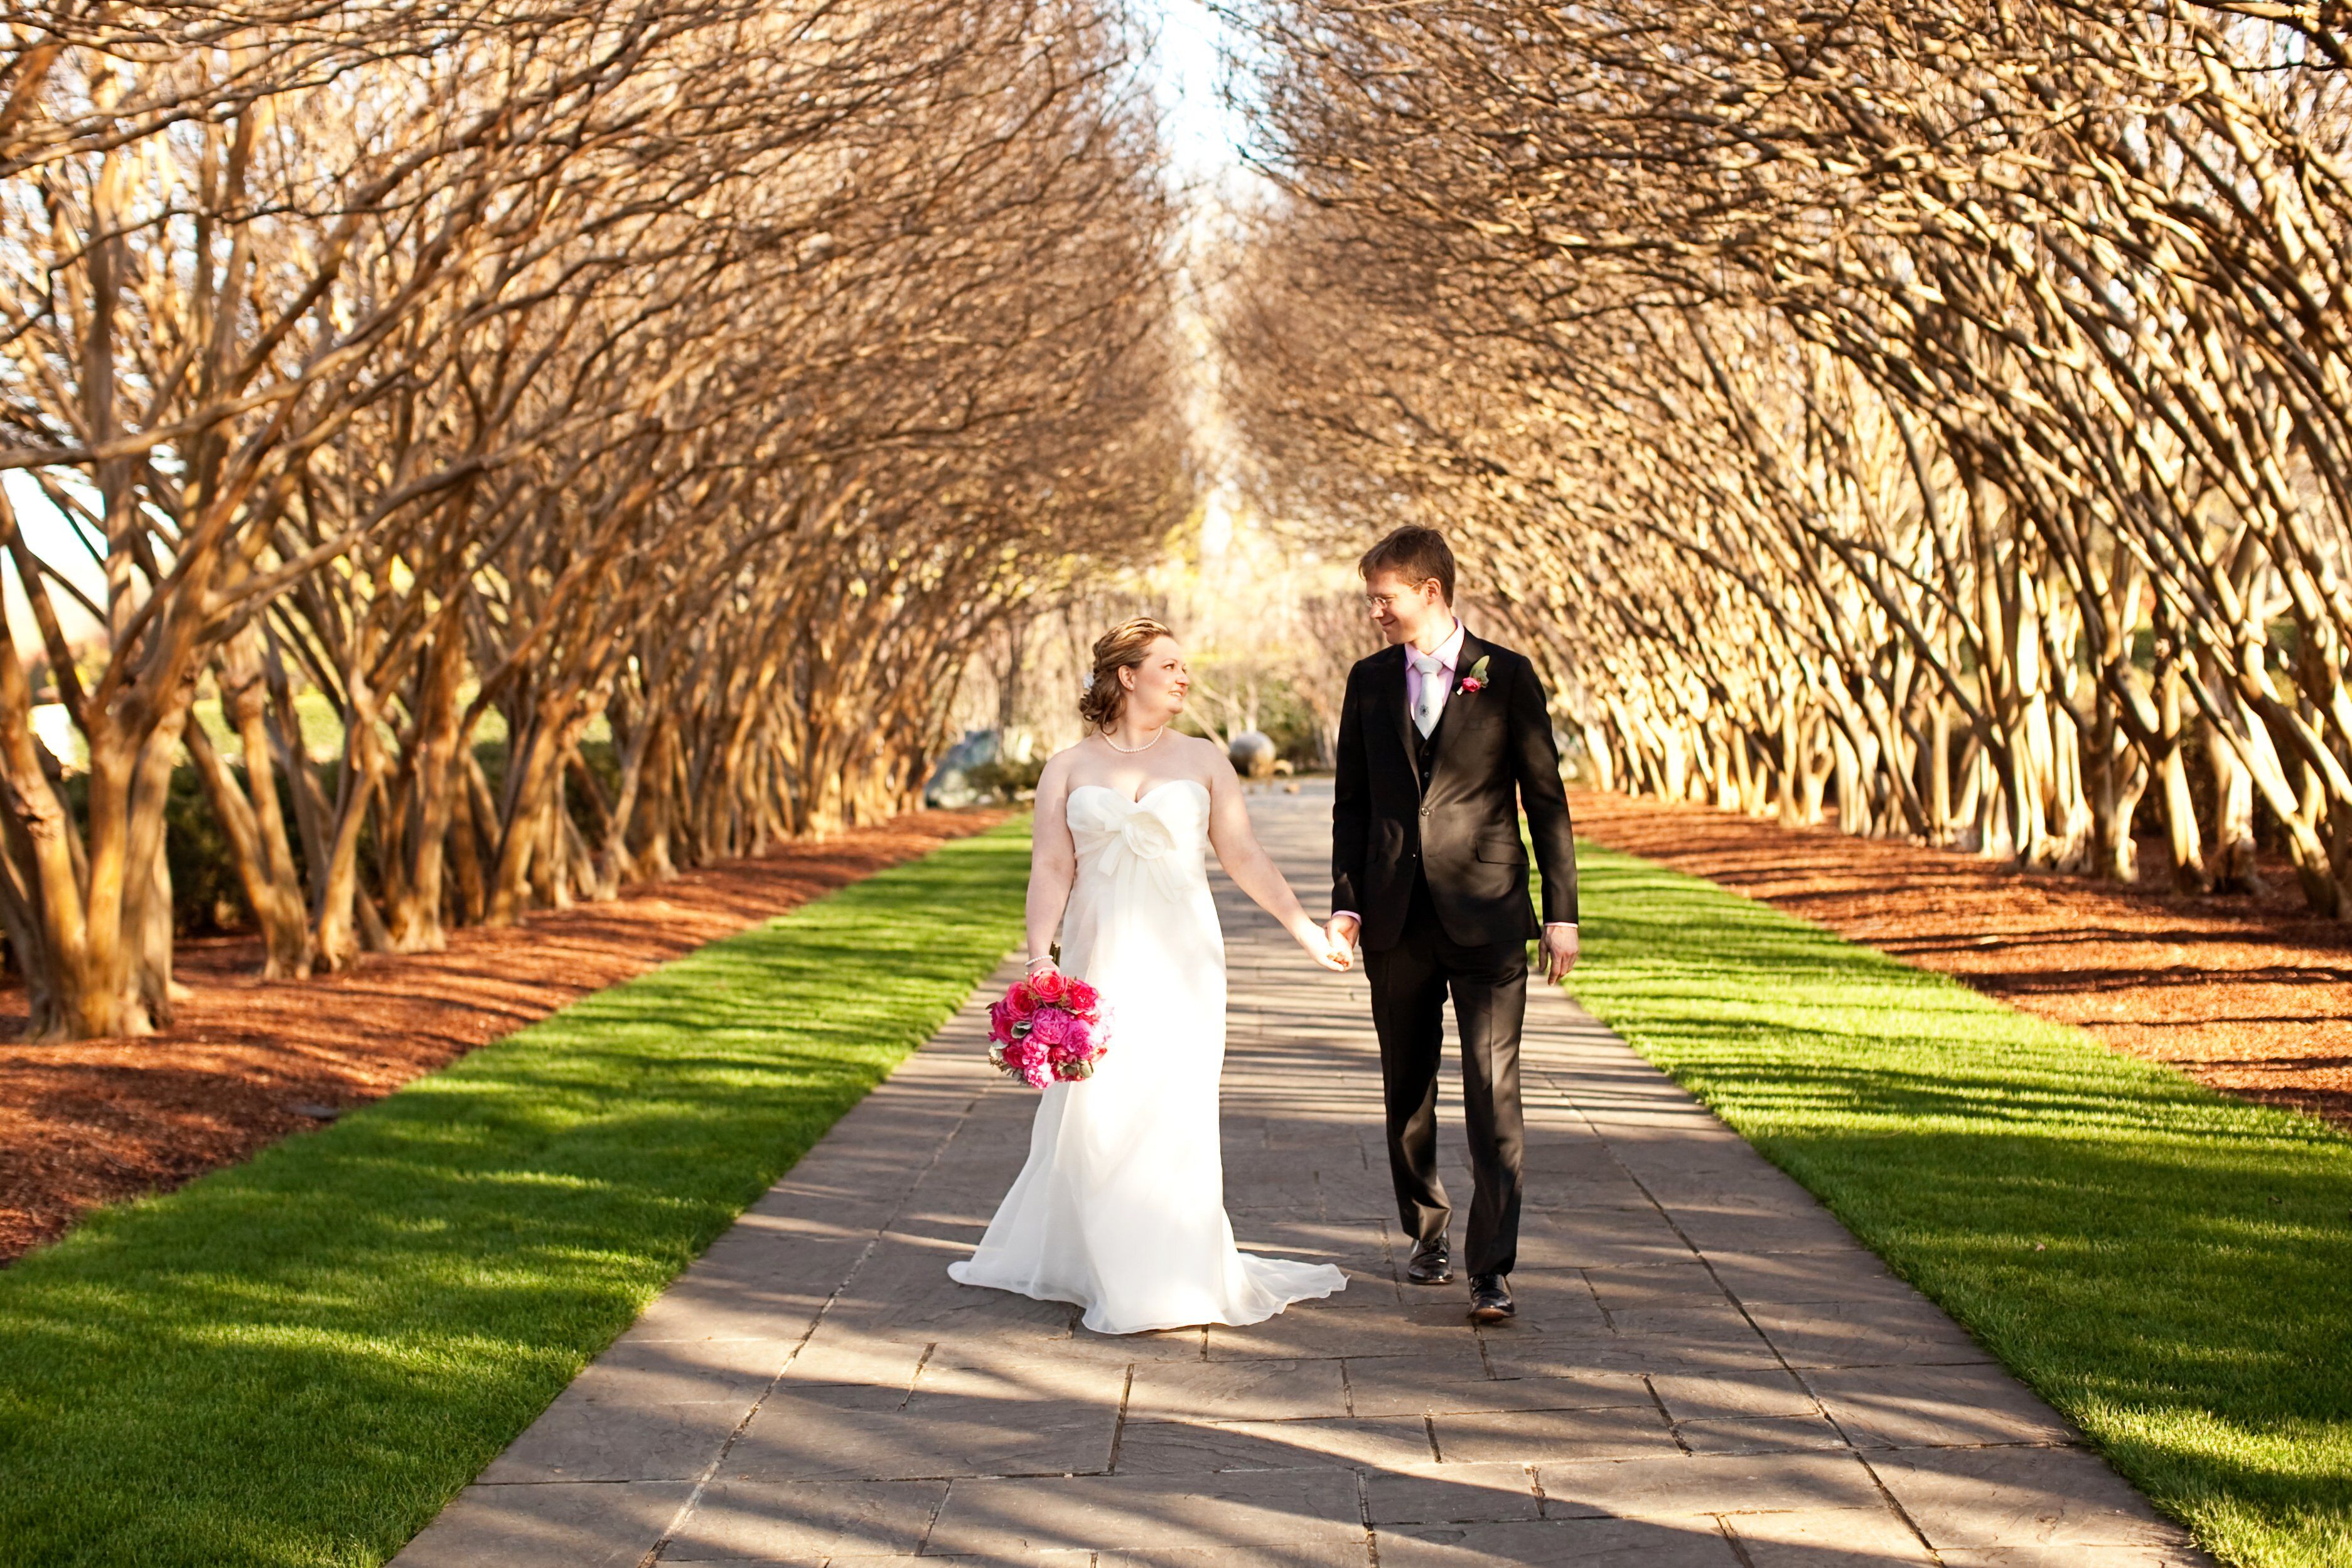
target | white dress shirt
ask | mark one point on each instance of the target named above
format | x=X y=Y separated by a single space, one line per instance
x=1448 y=654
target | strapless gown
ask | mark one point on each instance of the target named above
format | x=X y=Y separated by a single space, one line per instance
x=1121 y=1205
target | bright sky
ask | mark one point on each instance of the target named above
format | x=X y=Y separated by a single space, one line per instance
x=50 y=537
x=1202 y=137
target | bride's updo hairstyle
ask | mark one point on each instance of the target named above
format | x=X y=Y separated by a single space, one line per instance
x=1121 y=647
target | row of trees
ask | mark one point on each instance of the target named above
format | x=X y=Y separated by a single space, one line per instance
x=1269 y=632
x=1936 y=408
x=713 y=376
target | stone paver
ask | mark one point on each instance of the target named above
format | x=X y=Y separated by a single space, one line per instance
x=1706 y=1368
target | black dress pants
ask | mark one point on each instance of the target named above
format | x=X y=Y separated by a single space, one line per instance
x=1488 y=984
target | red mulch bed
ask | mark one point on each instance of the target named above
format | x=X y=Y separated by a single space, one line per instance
x=2249 y=993
x=90 y=1122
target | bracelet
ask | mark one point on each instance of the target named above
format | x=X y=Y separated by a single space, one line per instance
x=1035 y=961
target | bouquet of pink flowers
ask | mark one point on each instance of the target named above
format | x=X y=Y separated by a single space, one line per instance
x=1048 y=1027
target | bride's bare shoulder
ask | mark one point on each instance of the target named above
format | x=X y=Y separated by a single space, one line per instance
x=1206 y=758
x=1061 y=765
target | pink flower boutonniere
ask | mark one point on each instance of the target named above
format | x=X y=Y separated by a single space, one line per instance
x=1475 y=682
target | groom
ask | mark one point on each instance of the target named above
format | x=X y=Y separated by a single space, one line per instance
x=1443 y=737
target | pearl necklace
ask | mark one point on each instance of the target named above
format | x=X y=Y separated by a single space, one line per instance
x=1130 y=751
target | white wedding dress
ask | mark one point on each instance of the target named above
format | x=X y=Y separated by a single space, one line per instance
x=1121 y=1207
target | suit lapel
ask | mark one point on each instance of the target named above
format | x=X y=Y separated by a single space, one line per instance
x=1400 y=713
x=1472 y=650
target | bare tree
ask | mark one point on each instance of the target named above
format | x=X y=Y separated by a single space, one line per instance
x=1932 y=407
x=714 y=379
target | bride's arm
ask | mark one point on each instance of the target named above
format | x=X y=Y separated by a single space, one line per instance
x=1052 y=860
x=1253 y=870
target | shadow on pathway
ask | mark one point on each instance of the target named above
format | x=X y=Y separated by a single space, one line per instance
x=1706 y=1370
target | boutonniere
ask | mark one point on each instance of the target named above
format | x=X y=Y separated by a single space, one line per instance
x=1475 y=681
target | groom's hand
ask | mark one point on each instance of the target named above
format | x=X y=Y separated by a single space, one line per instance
x=1342 y=929
x=1560 y=950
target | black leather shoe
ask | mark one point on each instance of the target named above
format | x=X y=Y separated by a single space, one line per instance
x=1431 y=1264
x=1490 y=1298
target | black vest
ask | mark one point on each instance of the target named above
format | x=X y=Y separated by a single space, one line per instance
x=1424 y=758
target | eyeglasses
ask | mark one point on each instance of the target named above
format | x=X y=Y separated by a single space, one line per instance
x=1388 y=601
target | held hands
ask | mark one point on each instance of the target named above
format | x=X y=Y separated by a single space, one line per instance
x=1332 y=954
x=1338 y=934
x=1560 y=947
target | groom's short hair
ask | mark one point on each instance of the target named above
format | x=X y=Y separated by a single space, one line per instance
x=1414 y=553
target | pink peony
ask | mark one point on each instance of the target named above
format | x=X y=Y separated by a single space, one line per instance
x=1025 y=1059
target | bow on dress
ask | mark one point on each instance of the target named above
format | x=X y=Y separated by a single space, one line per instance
x=1110 y=829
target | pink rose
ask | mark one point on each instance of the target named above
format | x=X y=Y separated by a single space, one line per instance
x=1050 y=986
x=1471 y=683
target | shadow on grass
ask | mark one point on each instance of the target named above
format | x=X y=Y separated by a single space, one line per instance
x=298 y=1361
x=2165 y=1265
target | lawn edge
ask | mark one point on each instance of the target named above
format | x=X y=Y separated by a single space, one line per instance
x=2289 y=1124
x=364 y=1539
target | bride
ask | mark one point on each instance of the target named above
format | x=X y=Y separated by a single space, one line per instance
x=1121 y=1207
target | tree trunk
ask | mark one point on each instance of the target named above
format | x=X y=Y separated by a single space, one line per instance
x=2182 y=840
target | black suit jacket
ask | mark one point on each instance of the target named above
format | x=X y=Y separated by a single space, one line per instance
x=1494 y=752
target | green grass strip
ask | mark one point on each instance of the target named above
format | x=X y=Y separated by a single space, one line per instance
x=2190 y=1303
x=299 y=1360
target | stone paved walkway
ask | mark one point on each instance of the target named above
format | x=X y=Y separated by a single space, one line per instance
x=1706 y=1370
